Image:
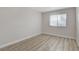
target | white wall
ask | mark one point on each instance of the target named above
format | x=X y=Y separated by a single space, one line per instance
x=68 y=31
x=77 y=24
x=17 y=23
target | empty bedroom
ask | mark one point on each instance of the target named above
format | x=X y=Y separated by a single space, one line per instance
x=39 y=28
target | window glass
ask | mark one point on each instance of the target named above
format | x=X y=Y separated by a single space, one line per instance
x=58 y=20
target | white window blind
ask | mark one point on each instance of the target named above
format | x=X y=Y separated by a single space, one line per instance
x=58 y=20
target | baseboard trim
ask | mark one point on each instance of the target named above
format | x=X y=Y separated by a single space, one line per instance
x=25 y=38
x=60 y=36
x=13 y=42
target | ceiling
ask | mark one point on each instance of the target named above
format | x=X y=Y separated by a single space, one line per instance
x=46 y=9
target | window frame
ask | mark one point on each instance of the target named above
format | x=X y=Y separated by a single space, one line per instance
x=57 y=20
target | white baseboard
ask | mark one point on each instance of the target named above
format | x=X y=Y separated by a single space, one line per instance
x=13 y=42
x=60 y=35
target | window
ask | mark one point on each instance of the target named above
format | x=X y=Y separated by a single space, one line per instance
x=58 y=20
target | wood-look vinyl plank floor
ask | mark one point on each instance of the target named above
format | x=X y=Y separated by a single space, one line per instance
x=44 y=43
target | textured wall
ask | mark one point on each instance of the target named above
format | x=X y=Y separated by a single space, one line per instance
x=17 y=23
x=68 y=31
